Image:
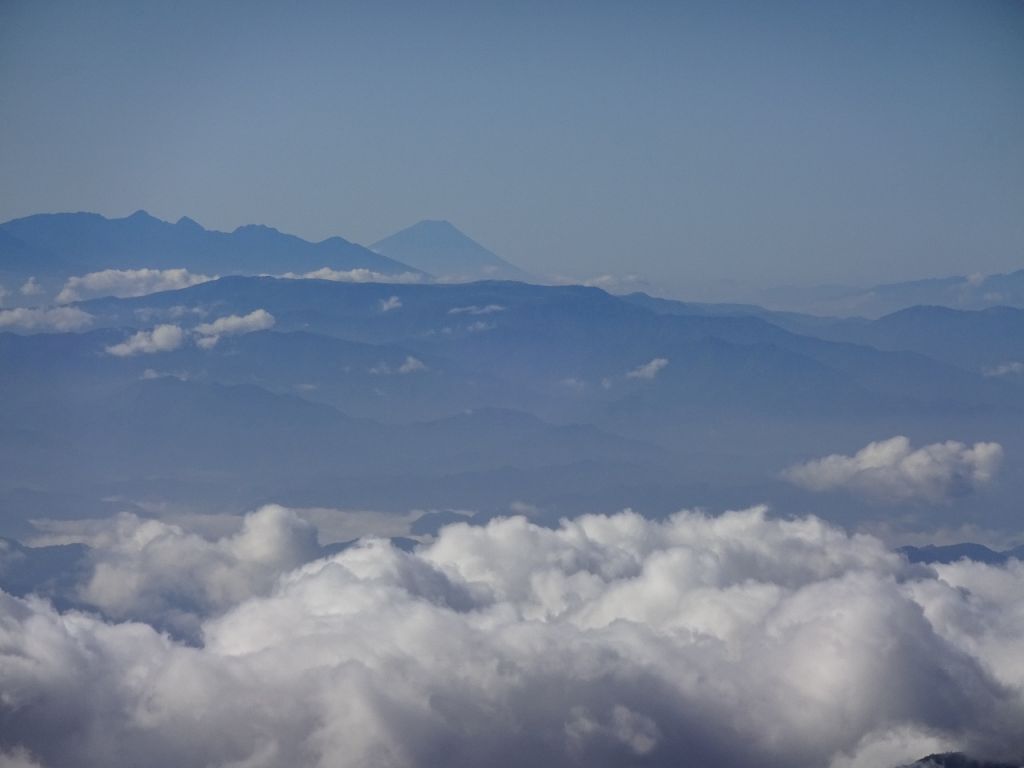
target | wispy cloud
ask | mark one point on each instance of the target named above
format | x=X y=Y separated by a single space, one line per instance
x=648 y=370
x=617 y=283
x=1015 y=368
x=412 y=365
x=409 y=365
x=488 y=309
x=31 y=287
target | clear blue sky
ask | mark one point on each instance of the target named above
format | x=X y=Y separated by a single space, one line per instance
x=768 y=142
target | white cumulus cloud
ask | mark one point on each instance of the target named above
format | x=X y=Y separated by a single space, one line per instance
x=358 y=275
x=893 y=470
x=162 y=338
x=61 y=319
x=729 y=641
x=390 y=303
x=233 y=325
x=125 y=283
x=648 y=370
x=160 y=573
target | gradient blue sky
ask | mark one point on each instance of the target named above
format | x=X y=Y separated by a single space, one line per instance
x=765 y=142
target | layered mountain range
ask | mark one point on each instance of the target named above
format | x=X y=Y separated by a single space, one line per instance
x=240 y=390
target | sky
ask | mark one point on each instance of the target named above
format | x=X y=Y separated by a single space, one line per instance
x=696 y=144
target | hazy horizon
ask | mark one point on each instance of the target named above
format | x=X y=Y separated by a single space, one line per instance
x=720 y=290
x=692 y=144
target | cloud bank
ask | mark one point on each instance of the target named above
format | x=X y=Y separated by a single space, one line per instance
x=891 y=470
x=612 y=640
x=125 y=283
x=358 y=275
x=60 y=319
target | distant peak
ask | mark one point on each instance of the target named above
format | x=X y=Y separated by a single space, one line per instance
x=141 y=215
x=335 y=239
x=439 y=247
x=254 y=228
x=186 y=222
x=435 y=230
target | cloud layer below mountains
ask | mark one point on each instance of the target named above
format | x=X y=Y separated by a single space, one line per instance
x=358 y=275
x=648 y=370
x=613 y=640
x=233 y=325
x=58 y=319
x=125 y=283
x=891 y=470
x=168 y=337
x=163 y=338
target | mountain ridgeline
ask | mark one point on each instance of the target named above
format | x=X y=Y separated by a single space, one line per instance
x=50 y=248
x=399 y=381
x=63 y=244
x=459 y=396
x=77 y=243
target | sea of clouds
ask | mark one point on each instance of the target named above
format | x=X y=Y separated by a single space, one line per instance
x=735 y=640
